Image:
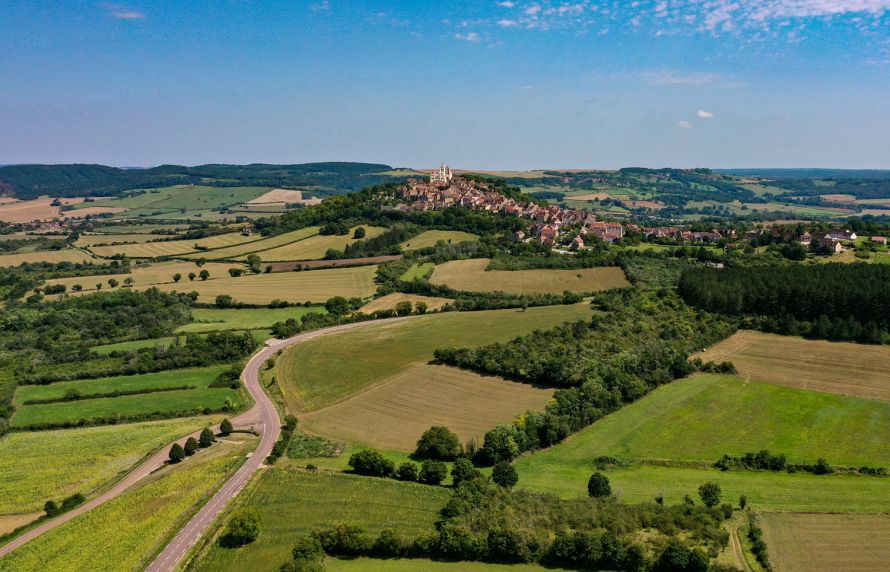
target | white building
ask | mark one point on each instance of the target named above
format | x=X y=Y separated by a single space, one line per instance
x=442 y=176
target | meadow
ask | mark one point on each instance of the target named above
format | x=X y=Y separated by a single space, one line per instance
x=61 y=463
x=295 y=287
x=804 y=542
x=315 y=247
x=471 y=275
x=400 y=409
x=54 y=256
x=134 y=345
x=834 y=367
x=149 y=274
x=124 y=533
x=292 y=502
x=174 y=247
x=215 y=319
x=86 y=240
x=420 y=565
x=430 y=238
x=390 y=301
x=325 y=370
x=418 y=271
x=258 y=246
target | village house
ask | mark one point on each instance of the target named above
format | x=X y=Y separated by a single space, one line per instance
x=835 y=246
x=841 y=234
x=879 y=240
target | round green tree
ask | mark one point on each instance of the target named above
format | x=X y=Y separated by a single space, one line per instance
x=244 y=528
x=598 y=485
x=709 y=494
x=176 y=453
x=226 y=427
x=438 y=442
x=206 y=439
x=191 y=447
x=505 y=475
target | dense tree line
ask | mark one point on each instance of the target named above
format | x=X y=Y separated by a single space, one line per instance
x=832 y=301
x=16 y=281
x=386 y=243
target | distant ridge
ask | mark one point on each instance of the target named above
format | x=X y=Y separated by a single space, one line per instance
x=805 y=173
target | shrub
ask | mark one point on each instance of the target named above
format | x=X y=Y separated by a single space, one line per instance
x=505 y=475
x=244 y=527
x=371 y=463
x=191 y=447
x=407 y=471
x=598 y=485
x=709 y=494
x=433 y=472
x=343 y=539
x=743 y=501
x=438 y=443
x=51 y=508
x=226 y=427
x=388 y=545
x=463 y=470
x=308 y=548
x=176 y=453
x=207 y=438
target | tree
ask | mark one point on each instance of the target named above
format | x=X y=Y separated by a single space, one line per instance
x=192 y=276
x=236 y=272
x=743 y=501
x=99 y=286
x=438 y=442
x=308 y=548
x=407 y=471
x=204 y=274
x=200 y=262
x=598 y=486
x=191 y=447
x=463 y=470
x=206 y=439
x=129 y=281
x=176 y=453
x=433 y=472
x=709 y=493
x=499 y=445
x=177 y=277
x=226 y=427
x=77 y=287
x=505 y=475
x=359 y=233
x=50 y=508
x=244 y=527
x=403 y=308
x=255 y=263
x=338 y=305
x=371 y=463
x=113 y=282
x=420 y=307
x=224 y=301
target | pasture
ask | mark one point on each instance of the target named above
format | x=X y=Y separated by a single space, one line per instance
x=150 y=274
x=174 y=247
x=389 y=302
x=134 y=345
x=804 y=542
x=293 y=502
x=430 y=238
x=400 y=409
x=61 y=463
x=834 y=367
x=315 y=247
x=705 y=416
x=215 y=319
x=330 y=368
x=72 y=255
x=470 y=275
x=123 y=534
x=418 y=271
x=295 y=287
x=257 y=246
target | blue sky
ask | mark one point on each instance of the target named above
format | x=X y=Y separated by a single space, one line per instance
x=482 y=84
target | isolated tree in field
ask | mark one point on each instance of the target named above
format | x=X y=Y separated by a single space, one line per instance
x=192 y=276
x=709 y=493
x=129 y=281
x=226 y=427
x=99 y=286
x=191 y=447
x=113 y=282
x=359 y=233
x=463 y=470
x=244 y=527
x=403 y=308
x=51 y=508
x=743 y=502
x=177 y=277
x=433 y=472
x=200 y=262
x=420 y=307
x=176 y=453
x=338 y=305
x=235 y=272
x=255 y=263
x=505 y=475
x=204 y=274
x=206 y=439
x=438 y=442
x=598 y=486
x=77 y=287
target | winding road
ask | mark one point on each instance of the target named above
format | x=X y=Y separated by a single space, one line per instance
x=262 y=417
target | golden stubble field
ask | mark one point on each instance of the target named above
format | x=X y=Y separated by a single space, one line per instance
x=834 y=367
x=389 y=302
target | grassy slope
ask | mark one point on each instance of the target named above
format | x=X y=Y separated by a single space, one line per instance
x=418 y=271
x=293 y=503
x=331 y=368
x=61 y=463
x=431 y=237
x=212 y=319
x=317 y=246
x=124 y=533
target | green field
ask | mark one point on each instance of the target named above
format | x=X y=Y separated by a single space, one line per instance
x=419 y=565
x=432 y=237
x=195 y=377
x=702 y=417
x=418 y=271
x=123 y=534
x=213 y=319
x=134 y=345
x=315 y=247
x=61 y=463
x=165 y=402
x=331 y=368
x=292 y=503
x=257 y=246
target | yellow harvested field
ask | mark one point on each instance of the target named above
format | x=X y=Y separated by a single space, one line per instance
x=175 y=247
x=54 y=256
x=471 y=275
x=833 y=367
x=315 y=247
x=432 y=237
x=311 y=286
x=9 y=522
x=28 y=211
x=283 y=196
x=258 y=246
x=589 y=197
x=91 y=211
x=152 y=274
x=644 y=205
x=389 y=302
x=95 y=239
x=837 y=542
x=839 y=198
x=393 y=414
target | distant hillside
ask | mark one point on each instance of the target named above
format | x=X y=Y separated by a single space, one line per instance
x=835 y=174
x=323 y=179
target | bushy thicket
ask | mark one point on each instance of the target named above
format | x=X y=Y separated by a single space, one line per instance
x=832 y=301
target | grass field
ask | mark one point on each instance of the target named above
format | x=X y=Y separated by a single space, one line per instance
x=702 y=417
x=311 y=286
x=95 y=239
x=213 y=319
x=834 y=367
x=125 y=406
x=195 y=377
x=418 y=271
x=258 y=246
x=432 y=237
x=175 y=247
x=61 y=463
x=804 y=542
x=67 y=255
x=323 y=371
x=389 y=302
x=292 y=503
x=150 y=274
x=471 y=275
x=134 y=345
x=124 y=533
x=315 y=247
x=419 y=565
x=403 y=407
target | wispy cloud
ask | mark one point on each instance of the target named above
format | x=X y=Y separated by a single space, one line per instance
x=676 y=77
x=471 y=37
x=121 y=12
x=684 y=124
x=705 y=114
x=323 y=6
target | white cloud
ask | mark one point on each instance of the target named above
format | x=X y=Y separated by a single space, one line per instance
x=471 y=37
x=675 y=77
x=121 y=12
x=507 y=4
x=508 y=23
x=323 y=6
x=705 y=114
x=684 y=124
